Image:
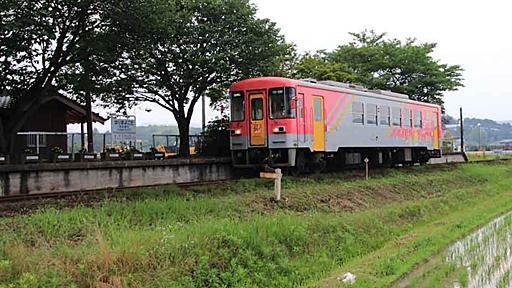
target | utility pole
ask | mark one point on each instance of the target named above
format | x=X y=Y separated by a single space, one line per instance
x=479 y=137
x=461 y=132
x=203 y=100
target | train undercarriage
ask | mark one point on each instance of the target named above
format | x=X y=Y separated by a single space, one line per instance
x=298 y=161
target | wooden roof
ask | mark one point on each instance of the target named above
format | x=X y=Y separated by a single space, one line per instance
x=76 y=112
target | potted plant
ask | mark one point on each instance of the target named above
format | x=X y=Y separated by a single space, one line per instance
x=29 y=156
x=134 y=154
x=111 y=154
x=58 y=155
x=84 y=156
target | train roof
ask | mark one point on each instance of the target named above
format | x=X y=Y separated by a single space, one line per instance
x=256 y=83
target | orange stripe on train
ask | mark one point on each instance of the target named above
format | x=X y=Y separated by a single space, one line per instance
x=341 y=115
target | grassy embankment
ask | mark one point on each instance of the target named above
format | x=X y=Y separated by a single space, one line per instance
x=234 y=235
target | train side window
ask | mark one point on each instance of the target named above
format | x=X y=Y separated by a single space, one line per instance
x=396 y=116
x=385 y=117
x=358 y=112
x=418 y=122
x=371 y=114
x=408 y=118
x=436 y=119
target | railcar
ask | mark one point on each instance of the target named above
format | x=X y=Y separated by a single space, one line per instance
x=308 y=125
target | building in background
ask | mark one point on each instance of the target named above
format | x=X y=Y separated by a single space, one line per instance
x=47 y=128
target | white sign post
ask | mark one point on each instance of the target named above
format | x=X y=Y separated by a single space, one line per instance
x=277 y=176
x=366 y=160
x=123 y=129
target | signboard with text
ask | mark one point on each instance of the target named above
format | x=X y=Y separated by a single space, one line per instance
x=123 y=129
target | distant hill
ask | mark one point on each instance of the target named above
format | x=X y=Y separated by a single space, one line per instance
x=145 y=133
x=490 y=131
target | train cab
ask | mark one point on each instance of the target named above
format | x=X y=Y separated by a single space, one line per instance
x=264 y=121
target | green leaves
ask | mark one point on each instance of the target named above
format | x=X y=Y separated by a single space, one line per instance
x=175 y=51
x=387 y=64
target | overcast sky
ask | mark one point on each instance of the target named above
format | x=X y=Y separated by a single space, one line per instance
x=474 y=34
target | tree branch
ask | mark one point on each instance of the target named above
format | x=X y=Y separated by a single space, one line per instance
x=141 y=97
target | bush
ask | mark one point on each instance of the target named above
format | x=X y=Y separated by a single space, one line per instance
x=215 y=138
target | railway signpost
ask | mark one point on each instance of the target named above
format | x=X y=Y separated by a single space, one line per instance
x=366 y=161
x=123 y=129
x=277 y=176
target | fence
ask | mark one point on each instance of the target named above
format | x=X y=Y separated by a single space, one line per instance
x=46 y=144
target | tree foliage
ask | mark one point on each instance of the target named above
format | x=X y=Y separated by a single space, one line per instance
x=184 y=49
x=388 y=64
x=39 y=42
x=318 y=67
x=215 y=139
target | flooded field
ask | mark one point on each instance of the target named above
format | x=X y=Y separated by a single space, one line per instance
x=485 y=255
x=482 y=259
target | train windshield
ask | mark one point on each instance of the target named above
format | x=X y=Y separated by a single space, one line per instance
x=237 y=106
x=281 y=102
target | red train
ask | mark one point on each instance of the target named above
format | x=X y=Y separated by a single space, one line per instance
x=305 y=124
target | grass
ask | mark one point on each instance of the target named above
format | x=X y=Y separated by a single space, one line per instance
x=489 y=155
x=235 y=235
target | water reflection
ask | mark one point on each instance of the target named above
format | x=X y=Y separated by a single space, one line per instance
x=486 y=254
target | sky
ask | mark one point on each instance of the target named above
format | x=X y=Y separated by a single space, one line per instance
x=473 y=34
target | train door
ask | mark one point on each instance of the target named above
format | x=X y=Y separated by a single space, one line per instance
x=436 y=131
x=318 y=124
x=301 y=123
x=257 y=119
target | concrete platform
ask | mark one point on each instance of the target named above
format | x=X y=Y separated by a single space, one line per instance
x=449 y=158
x=89 y=176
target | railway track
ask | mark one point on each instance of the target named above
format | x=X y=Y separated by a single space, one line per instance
x=34 y=201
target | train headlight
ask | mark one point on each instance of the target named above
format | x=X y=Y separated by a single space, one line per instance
x=236 y=131
x=279 y=129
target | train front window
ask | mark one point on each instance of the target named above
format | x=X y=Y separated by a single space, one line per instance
x=237 y=106
x=281 y=103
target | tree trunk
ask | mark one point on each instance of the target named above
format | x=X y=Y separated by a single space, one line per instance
x=184 y=129
x=3 y=138
x=88 y=108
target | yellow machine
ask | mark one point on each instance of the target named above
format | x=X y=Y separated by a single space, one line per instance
x=162 y=149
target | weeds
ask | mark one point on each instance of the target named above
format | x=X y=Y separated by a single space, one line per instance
x=232 y=235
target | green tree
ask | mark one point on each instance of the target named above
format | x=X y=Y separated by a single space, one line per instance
x=40 y=43
x=388 y=64
x=317 y=67
x=184 y=49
